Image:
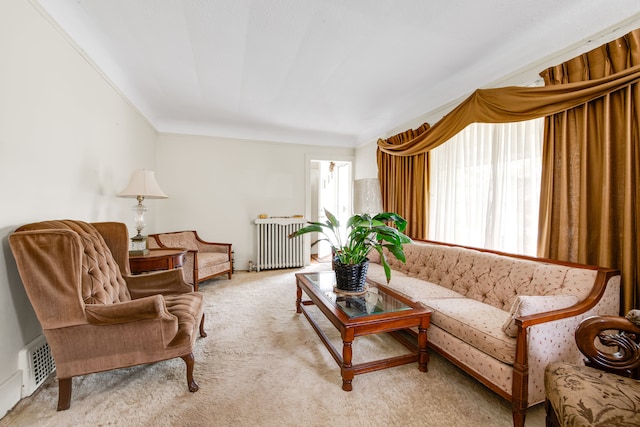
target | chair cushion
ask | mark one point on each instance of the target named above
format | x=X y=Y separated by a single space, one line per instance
x=187 y=308
x=584 y=396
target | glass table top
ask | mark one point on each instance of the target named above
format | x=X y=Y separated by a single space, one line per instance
x=373 y=301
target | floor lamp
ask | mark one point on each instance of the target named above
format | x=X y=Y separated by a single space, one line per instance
x=366 y=196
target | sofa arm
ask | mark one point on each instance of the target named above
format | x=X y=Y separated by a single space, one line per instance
x=549 y=337
x=224 y=248
x=147 y=308
x=159 y=282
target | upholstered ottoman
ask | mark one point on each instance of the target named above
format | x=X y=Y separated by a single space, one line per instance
x=584 y=396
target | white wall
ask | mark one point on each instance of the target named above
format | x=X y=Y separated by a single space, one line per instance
x=218 y=186
x=366 y=163
x=68 y=143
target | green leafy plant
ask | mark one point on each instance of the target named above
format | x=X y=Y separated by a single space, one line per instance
x=363 y=233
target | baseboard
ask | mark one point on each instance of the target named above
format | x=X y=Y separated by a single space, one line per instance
x=10 y=392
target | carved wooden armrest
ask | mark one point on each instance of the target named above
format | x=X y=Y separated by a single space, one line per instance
x=615 y=333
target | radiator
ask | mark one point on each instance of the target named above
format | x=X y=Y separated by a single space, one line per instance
x=275 y=248
x=36 y=363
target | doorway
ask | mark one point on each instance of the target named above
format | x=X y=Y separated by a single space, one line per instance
x=330 y=190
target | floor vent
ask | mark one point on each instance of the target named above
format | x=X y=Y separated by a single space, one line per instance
x=36 y=364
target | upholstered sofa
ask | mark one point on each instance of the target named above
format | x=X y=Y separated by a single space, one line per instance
x=502 y=318
x=203 y=261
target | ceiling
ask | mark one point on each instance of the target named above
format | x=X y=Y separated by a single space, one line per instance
x=326 y=72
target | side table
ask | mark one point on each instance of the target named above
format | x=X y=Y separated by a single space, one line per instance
x=157 y=259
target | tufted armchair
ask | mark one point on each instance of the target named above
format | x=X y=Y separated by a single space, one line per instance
x=604 y=392
x=203 y=260
x=95 y=315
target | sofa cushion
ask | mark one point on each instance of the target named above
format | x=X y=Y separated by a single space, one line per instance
x=375 y=272
x=524 y=305
x=475 y=323
x=584 y=396
x=479 y=363
x=419 y=290
x=208 y=259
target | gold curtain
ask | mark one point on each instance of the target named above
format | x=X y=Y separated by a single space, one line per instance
x=589 y=193
x=589 y=189
x=511 y=104
x=404 y=184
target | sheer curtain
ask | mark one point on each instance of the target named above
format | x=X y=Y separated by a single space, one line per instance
x=485 y=186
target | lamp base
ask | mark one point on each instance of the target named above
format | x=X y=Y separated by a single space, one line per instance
x=138 y=245
x=139 y=252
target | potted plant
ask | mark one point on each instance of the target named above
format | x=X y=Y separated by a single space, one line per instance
x=363 y=234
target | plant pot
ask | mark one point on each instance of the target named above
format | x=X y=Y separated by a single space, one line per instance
x=350 y=278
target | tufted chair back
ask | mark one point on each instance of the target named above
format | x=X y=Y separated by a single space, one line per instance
x=88 y=260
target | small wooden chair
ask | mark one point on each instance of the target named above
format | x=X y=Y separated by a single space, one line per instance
x=605 y=391
x=203 y=261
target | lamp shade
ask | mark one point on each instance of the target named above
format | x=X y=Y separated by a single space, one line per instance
x=366 y=196
x=143 y=183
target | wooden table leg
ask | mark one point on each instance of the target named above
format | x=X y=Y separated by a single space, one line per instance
x=423 y=355
x=347 y=355
x=298 y=298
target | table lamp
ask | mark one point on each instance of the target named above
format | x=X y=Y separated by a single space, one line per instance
x=142 y=185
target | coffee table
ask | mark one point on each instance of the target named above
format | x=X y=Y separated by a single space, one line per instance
x=379 y=310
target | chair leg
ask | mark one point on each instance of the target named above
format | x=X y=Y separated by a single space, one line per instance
x=64 y=393
x=551 y=419
x=202 y=331
x=189 y=360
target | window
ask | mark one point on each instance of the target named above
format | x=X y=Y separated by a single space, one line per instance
x=485 y=187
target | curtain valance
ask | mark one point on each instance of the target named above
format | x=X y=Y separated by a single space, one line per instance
x=511 y=104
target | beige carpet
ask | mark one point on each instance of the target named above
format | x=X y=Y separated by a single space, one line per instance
x=263 y=365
